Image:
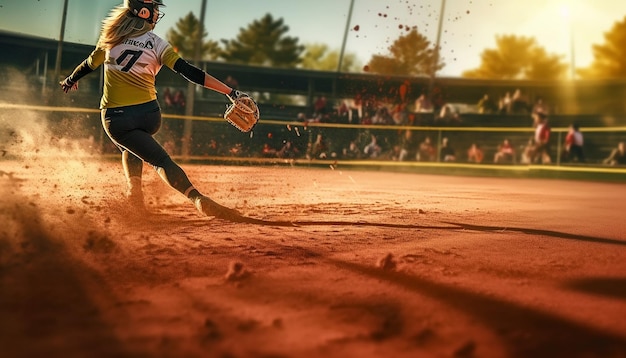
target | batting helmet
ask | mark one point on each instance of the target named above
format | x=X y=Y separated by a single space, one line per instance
x=144 y=9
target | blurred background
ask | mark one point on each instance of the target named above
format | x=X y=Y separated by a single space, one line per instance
x=353 y=80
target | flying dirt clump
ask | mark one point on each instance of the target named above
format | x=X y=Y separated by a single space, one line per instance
x=236 y=272
x=387 y=263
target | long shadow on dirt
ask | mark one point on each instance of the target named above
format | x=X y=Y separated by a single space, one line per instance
x=541 y=232
x=527 y=332
x=45 y=309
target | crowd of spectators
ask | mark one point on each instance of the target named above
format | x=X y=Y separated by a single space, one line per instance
x=411 y=145
x=516 y=103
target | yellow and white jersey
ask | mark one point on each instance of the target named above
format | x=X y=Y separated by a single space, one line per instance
x=130 y=69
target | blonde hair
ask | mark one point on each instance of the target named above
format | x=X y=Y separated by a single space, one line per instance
x=120 y=25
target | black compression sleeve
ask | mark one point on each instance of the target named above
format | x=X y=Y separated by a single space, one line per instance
x=189 y=71
x=81 y=71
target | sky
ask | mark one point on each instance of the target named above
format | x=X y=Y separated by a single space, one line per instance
x=568 y=28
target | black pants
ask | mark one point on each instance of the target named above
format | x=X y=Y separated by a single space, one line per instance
x=576 y=152
x=132 y=128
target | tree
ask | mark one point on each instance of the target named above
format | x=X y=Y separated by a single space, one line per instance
x=609 y=58
x=183 y=39
x=409 y=55
x=264 y=43
x=544 y=66
x=319 y=57
x=518 y=58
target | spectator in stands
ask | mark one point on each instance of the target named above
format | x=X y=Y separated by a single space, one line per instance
x=382 y=116
x=319 y=148
x=437 y=98
x=236 y=150
x=542 y=139
x=617 y=156
x=486 y=105
x=448 y=115
x=392 y=154
x=399 y=114
x=504 y=105
x=505 y=153
x=423 y=110
x=408 y=145
x=447 y=153
x=540 y=106
x=168 y=100
x=475 y=154
x=426 y=151
x=320 y=107
x=399 y=117
x=528 y=152
x=288 y=151
x=213 y=148
x=403 y=90
x=519 y=104
x=352 y=151
x=574 y=145
x=423 y=105
x=179 y=101
x=351 y=105
x=267 y=151
x=344 y=113
x=372 y=149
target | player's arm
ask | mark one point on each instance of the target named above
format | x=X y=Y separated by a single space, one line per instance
x=71 y=81
x=197 y=76
x=86 y=67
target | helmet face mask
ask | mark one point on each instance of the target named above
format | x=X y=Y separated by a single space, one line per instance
x=158 y=15
x=145 y=9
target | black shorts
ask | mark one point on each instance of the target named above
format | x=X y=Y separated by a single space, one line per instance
x=132 y=127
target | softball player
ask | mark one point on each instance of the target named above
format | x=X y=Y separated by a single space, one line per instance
x=132 y=56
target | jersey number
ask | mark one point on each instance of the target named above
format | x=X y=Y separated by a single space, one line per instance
x=134 y=56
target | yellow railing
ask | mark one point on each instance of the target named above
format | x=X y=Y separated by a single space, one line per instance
x=333 y=162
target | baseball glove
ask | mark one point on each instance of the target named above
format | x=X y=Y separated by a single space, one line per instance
x=242 y=113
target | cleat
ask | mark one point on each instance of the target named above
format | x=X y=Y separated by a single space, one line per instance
x=208 y=207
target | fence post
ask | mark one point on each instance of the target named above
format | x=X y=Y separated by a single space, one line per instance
x=439 y=145
x=558 y=150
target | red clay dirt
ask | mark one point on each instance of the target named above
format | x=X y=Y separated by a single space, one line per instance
x=340 y=263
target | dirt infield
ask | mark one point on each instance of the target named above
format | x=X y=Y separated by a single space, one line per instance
x=343 y=263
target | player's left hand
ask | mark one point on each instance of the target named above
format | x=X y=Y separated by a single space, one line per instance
x=68 y=85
